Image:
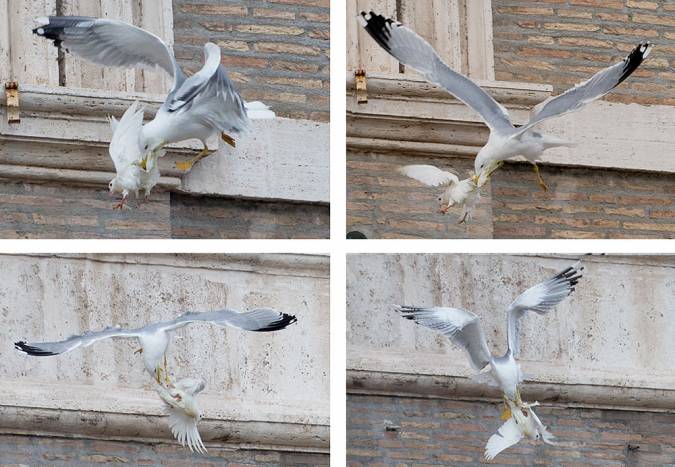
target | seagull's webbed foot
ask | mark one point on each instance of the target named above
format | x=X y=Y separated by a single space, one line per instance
x=228 y=139
x=187 y=165
x=167 y=381
x=139 y=351
x=540 y=180
x=506 y=413
x=158 y=375
x=464 y=218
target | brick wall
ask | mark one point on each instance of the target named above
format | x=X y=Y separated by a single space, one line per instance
x=203 y=217
x=563 y=42
x=580 y=203
x=447 y=432
x=58 y=211
x=381 y=203
x=276 y=51
x=33 y=450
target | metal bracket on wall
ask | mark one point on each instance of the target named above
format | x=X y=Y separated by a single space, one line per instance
x=361 y=87
x=12 y=101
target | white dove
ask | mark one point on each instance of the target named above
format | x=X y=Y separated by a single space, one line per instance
x=133 y=174
x=184 y=414
x=523 y=423
x=459 y=192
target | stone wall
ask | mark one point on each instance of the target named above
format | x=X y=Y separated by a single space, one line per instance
x=276 y=51
x=564 y=42
x=30 y=210
x=64 y=452
x=580 y=203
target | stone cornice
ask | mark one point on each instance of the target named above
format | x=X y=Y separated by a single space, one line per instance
x=66 y=130
x=616 y=397
x=121 y=413
x=298 y=265
x=416 y=118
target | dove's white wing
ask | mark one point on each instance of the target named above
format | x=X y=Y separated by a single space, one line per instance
x=540 y=298
x=429 y=175
x=413 y=51
x=588 y=91
x=183 y=426
x=110 y=42
x=125 y=144
x=461 y=326
x=184 y=429
x=507 y=435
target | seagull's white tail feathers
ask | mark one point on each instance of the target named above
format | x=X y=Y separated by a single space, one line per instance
x=554 y=142
x=256 y=110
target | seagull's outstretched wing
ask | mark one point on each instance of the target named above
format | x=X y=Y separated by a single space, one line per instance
x=540 y=298
x=461 y=326
x=125 y=146
x=413 y=51
x=260 y=320
x=429 y=175
x=600 y=84
x=110 y=42
x=44 y=349
x=211 y=96
x=507 y=435
x=183 y=417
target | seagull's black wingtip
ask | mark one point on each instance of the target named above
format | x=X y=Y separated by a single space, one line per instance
x=30 y=350
x=283 y=322
x=635 y=59
x=378 y=27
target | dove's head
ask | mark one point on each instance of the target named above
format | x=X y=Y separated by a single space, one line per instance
x=114 y=186
x=445 y=202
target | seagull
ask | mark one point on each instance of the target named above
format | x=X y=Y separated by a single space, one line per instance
x=196 y=107
x=184 y=414
x=127 y=155
x=506 y=141
x=154 y=338
x=464 y=192
x=462 y=327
